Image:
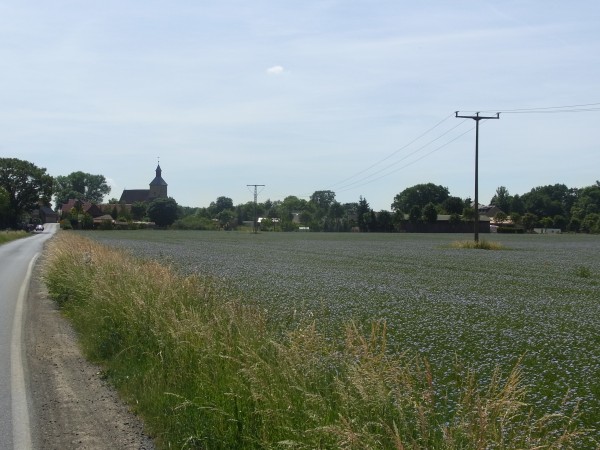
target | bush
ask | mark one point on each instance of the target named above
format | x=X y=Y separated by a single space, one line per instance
x=106 y=225
x=510 y=230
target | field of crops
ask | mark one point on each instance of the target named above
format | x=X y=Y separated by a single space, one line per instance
x=537 y=299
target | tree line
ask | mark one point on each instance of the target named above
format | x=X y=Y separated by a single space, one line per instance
x=552 y=206
x=24 y=187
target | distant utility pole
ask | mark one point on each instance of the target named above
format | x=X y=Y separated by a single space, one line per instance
x=255 y=228
x=477 y=118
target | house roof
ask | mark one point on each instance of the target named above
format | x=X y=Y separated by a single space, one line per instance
x=87 y=207
x=103 y=218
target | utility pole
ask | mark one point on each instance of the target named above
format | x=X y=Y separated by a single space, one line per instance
x=477 y=118
x=255 y=228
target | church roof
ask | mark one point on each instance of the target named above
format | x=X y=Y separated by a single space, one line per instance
x=130 y=196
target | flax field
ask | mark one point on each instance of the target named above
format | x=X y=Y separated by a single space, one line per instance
x=534 y=303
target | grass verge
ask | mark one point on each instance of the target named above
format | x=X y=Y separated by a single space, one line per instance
x=204 y=370
x=7 y=236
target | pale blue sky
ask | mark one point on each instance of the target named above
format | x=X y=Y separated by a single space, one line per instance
x=302 y=96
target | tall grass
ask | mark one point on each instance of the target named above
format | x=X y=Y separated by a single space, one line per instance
x=479 y=245
x=205 y=369
x=7 y=236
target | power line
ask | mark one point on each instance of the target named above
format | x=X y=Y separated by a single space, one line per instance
x=403 y=158
x=410 y=163
x=393 y=153
x=344 y=184
x=585 y=107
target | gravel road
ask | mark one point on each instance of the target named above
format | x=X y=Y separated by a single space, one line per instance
x=71 y=406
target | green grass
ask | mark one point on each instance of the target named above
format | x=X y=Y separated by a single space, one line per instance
x=7 y=236
x=325 y=341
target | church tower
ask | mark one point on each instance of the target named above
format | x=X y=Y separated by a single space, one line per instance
x=158 y=186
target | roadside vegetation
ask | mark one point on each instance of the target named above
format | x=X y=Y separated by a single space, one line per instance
x=208 y=370
x=7 y=236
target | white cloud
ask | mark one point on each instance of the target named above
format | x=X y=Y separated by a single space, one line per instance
x=275 y=70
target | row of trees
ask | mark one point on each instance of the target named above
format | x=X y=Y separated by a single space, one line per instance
x=556 y=206
x=24 y=186
x=569 y=209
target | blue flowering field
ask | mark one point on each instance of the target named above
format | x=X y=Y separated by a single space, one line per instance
x=535 y=302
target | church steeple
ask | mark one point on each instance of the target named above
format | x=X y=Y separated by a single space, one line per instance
x=158 y=186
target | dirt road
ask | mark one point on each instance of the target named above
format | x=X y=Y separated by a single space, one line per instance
x=71 y=406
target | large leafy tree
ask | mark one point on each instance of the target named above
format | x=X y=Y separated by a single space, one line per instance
x=588 y=201
x=163 y=211
x=420 y=195
x=25 y=185
x=453 y=205
x=322 y=200
x=550 y=200
x=81 y=186
x=502 y=199
x=222 y=203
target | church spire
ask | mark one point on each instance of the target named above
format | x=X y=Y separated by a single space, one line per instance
x=158 y=186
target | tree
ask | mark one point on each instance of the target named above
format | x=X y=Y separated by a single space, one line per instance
x=587 y=202
x=322 y=201
x=468 y=213
x=4 y=208
x=81 y=186
x=591 y=223
x=385 y=221
x=419 y=195
x=25 y=186
x=529 y=220
x=516 y=205
x=363 y=213
x=414 y=215
x=221 y=204
x=138 y=210
x=226 y=219
x=502 y=199
x=163 y=211
x=549 y=200
x=453 y=205
x=430 y=213
x=559 y=222
x=337 y=212
x=546 y=222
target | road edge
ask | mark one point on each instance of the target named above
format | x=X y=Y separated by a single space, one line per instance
x=71 y=405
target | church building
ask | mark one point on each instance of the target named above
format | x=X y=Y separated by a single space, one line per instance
x=158 y=189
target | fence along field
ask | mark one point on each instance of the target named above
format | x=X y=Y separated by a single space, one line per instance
x=536 y=302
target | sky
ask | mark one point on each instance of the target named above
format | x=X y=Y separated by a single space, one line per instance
x=355 y=96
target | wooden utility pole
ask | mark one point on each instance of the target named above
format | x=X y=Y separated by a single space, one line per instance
x=255 y=228
x=477 y=118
